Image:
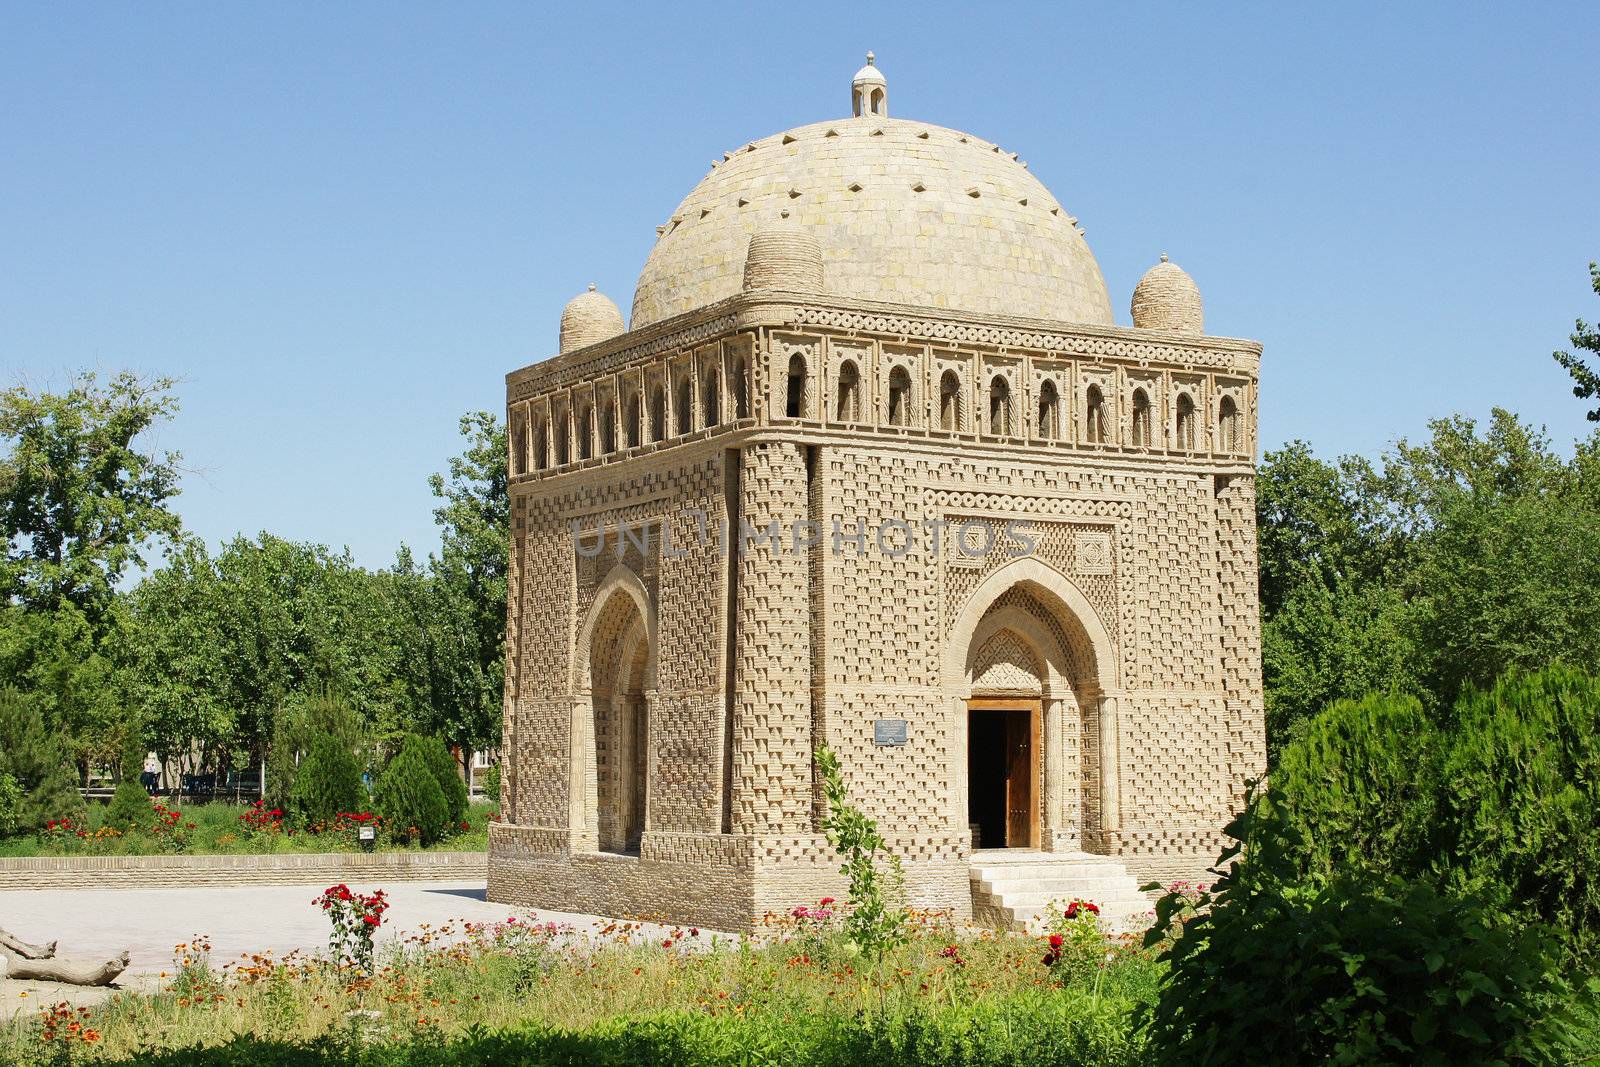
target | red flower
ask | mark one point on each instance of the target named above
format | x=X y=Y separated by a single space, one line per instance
x=1056 y=941
x=825 y=901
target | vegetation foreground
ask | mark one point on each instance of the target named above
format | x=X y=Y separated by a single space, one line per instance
x=527 y=992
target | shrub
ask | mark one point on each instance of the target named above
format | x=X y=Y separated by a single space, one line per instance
x=443 y=765
x=1360 y=784
x=1524 y=796
x=327 y=783
x=130 y=804
x=10 y=803
x=409 y=799
x=875 y=922
x=491 y=786
x=33 y=756
x=301 y=720
x=1361 y=969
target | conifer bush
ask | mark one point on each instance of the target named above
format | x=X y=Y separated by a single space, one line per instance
x=327 y=782
x=34 y=756
x=1360 y=782
x=1361 y=968
x=409 y=800
x=10 y=803
x=443 y=765
x=1523 y=796
x=129 y=809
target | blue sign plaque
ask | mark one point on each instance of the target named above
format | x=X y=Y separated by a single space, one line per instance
x=889 y=732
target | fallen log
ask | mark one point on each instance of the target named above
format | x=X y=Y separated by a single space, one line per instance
x=40 y=963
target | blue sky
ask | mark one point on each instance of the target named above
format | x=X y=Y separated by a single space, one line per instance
x=340 y=225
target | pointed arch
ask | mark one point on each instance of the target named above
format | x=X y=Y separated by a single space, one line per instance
x=1056 y=591
x=620 y=579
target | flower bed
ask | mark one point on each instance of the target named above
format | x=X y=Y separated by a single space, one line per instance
x=530 y=991
x=225 y=829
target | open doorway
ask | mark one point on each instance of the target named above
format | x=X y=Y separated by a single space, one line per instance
x=1002 y=773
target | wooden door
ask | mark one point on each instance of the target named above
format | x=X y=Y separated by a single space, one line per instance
x=1021 y=767
x=1019 y=780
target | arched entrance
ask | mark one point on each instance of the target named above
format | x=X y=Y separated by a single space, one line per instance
x=1032 y=675
x=614 y=671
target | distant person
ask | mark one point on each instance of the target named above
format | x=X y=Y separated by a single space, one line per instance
x=151 y=775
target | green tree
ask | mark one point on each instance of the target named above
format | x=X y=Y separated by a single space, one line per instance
x=303 y=719
x=1585 y=338
x=80 y=499
x=327 y=783
x=10 y=804
x=130 y=805
x=1361 y=784
x=1361 y=969
x=408 y=797
x=35 y=757
x=221 y=646
x=469 y=589
x=1522 y=792
x=445 y=771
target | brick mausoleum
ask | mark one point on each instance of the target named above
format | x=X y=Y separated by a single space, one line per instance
x=999 y=552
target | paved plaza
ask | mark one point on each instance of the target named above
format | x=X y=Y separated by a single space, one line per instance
x=99 y=923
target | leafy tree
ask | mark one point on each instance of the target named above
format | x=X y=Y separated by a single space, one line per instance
x=451 y=784
x=220 y=647
x=71 y=671
x=1448 y=563
x=469 y=589
x=79 y=498
x=34 y=756
x=327 y=783
x=409 y=799
x=130 y=804
x=1586 y=381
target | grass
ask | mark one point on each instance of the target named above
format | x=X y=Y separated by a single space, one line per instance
x=217 y=828
x=529 y=993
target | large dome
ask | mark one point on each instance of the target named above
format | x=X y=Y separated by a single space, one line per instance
x=904 y=212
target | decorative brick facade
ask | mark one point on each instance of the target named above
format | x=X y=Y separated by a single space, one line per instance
x=665 y=695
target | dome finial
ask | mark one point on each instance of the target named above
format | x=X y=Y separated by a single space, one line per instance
x=869 y=92
x=1163 y=259
x=591 y=284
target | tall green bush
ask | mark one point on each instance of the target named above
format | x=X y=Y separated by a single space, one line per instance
x=301 y=720
x=328 y=782
x=443 y=765
x=1354 y=969
x=130 y=809
x=10 y=804
x=409 y=799
x=1360 y=782
x=35 y=757
x=1523 y=794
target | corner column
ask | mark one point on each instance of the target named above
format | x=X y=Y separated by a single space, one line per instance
x=771 y=780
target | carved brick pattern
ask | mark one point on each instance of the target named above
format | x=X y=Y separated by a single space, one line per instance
x=1005 y=663
x=772 y=774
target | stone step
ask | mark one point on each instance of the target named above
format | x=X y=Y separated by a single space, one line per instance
x=1018 y=889
x=1079 y=888
x=1039 y=898
x=1115 y=917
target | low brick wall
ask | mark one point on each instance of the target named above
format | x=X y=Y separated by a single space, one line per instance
x=181 y=872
